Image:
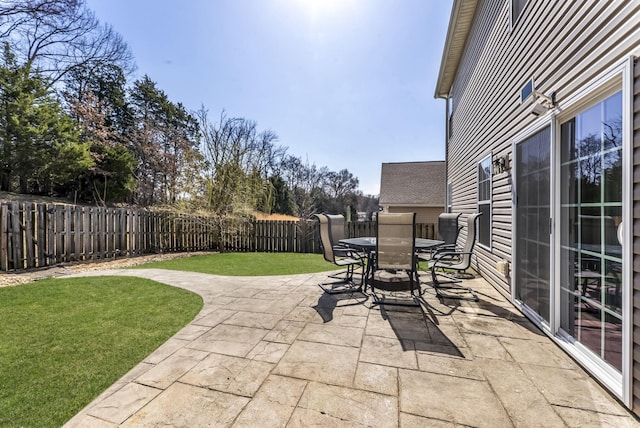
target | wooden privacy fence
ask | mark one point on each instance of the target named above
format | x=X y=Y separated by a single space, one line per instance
x=272 y=236
x=297 y=237
x=34 y=235
x=359 y=229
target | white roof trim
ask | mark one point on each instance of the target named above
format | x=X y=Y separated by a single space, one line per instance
x=460 y=22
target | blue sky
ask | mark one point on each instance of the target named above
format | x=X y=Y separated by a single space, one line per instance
x=343 y=83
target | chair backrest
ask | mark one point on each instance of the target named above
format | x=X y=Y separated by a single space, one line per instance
x=336 y=228
x=395 y=241
x=448 y=228
x=465 y=258
x=470 y=241
x=325 y=238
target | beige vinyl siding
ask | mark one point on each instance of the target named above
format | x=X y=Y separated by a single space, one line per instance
x=562 y=45
x=636 y=240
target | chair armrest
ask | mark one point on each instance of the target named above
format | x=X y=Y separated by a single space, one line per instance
x=432 y=252
x=342 y=251
x=446 y=257
x=452 y=253
x=347 y=252
x=445 y=247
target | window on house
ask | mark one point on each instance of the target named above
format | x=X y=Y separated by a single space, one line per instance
x=484 y=201
x=516 y=8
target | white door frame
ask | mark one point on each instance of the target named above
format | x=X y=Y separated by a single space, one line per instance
x=619 y=76
x=544 y=122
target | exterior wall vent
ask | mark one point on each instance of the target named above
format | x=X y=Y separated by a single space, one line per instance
x=526 y=91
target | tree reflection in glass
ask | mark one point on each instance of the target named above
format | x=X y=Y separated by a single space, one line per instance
x=591 y=212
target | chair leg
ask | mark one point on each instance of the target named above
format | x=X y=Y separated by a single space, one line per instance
x=414 y=299
x=439 y=285
x=348 y=274
x=347 y=281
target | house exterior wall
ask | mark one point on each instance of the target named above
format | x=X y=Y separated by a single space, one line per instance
x=562 y=46
x=423 y=214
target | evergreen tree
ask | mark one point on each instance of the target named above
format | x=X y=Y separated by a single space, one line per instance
x=164 y=139
x=40 y=147
x=277 y=197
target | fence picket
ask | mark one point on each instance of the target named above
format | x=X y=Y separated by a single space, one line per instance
x=51 y=235
x=41 y=236
x=27 y=216
x=4 y=236
x=16 y=235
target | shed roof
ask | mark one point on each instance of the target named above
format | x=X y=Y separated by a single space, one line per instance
x=462 y=13
x=413 y=184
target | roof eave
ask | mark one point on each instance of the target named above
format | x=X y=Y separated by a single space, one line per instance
x=459 y=25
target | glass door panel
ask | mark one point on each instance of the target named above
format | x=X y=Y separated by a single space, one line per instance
x=532 y=264
x=591 y=217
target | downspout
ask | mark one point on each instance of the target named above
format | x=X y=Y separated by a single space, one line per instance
x=446 y=155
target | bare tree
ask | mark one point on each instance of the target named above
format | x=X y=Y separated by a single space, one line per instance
x=238 y=159
x=55 y=36
x=339 y=184
x=305 y=182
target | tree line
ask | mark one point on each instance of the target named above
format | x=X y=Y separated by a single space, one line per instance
x=73 y=125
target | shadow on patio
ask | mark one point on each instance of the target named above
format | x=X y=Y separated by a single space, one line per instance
x=278 y=351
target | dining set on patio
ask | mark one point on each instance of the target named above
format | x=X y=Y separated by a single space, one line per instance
x=388 y=267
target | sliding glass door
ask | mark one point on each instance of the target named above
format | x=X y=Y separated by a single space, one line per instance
x=532 y=261
x=591 y=208
x=572 y=239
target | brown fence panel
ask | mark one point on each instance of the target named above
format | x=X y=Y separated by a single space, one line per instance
x=359 y=229
x=38 y=235
x=425 y=230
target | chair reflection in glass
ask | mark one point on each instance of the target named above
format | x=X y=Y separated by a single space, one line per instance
x=394 y=263
x=599 y=258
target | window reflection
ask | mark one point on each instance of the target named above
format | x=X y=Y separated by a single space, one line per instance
x=591 y=213
x=612 y=173
x=532 y=222
x=484 y=201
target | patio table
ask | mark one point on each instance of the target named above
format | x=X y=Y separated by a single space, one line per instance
x=367 y=244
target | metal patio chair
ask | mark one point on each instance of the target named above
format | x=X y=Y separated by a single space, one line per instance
x=332 y=226
x=448 y=230
x=456 y=260
x=394 y=262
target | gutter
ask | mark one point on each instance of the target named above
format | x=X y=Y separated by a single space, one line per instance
x=460 y=21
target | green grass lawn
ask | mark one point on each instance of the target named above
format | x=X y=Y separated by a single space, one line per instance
x=64 y=341
x=247 y=264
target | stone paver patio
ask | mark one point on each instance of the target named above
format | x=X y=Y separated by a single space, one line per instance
x=277 y=351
